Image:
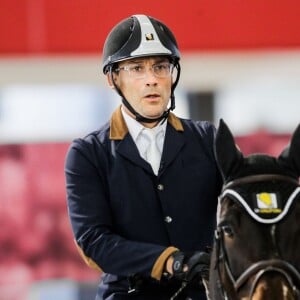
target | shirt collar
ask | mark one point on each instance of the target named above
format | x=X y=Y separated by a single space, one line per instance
x=118 y=126
x=135 y=128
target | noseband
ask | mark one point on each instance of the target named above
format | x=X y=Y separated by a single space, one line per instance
x=262 y=267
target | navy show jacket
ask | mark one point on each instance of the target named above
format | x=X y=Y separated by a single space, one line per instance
x=124 y=217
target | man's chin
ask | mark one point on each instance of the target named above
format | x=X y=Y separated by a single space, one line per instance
x=154 y=115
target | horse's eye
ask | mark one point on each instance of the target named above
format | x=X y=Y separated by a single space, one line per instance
x=228 y=230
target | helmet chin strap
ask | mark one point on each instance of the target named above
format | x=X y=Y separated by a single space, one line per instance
x=138 y=116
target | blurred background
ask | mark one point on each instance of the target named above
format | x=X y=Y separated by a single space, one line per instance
x=240 y=62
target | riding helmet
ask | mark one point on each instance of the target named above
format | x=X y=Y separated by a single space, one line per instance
x=139 y=36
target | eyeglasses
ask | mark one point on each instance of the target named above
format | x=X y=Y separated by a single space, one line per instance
x=138 y=71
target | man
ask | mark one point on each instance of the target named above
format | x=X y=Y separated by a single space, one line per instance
x=143 y=212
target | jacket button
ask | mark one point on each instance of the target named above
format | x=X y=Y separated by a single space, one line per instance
x=168 y=219
x=160 y=187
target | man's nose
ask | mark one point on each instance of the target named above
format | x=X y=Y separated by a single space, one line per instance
x=150 y=76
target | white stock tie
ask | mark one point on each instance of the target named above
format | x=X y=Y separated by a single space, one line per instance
x=153 y=153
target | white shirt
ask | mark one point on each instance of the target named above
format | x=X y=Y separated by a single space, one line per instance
x=138 y=134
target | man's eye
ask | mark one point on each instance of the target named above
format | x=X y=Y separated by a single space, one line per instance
x=161 y=67
x=137 y=69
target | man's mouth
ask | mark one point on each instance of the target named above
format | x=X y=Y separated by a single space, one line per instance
x=152 y=96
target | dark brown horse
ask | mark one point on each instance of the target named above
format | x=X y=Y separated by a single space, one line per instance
x=256 y=254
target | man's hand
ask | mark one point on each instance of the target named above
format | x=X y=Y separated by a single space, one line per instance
x=190 y=267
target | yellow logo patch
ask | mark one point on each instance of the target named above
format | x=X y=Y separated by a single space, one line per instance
x=267 y=203
x=265 y=198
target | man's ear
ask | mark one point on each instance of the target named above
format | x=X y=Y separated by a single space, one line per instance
x=109 y=80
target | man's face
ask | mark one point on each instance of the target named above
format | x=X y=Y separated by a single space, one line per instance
x=146 y=84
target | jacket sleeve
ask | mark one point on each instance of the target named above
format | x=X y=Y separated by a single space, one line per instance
x=91 y=218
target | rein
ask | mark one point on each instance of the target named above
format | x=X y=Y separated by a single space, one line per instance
x=258 y=269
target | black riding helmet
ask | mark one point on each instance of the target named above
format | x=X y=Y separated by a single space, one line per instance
x=140 y=36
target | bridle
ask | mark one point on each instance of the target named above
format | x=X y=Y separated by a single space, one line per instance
x=260 y=268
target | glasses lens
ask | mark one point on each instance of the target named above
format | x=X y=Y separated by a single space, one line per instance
x=136 y=71
x=162 y=69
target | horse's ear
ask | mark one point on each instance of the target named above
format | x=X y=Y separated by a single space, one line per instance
x=227 y=154
x=290 y=156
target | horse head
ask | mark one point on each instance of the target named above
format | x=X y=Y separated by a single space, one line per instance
x=257 y=239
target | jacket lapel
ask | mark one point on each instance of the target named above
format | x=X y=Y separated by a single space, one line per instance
x=128 y=149
x=174 y=142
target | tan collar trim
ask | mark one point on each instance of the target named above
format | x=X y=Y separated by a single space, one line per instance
x=118 y=127
x=175 y=122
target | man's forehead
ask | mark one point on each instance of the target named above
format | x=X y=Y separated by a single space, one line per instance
x=150 y=59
